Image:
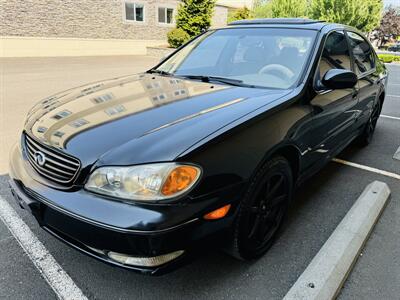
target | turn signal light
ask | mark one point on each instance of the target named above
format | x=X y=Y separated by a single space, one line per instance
x=180 y=179
x=218 y=213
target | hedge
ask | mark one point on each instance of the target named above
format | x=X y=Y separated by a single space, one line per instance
x=389 y=58
x=177 y=37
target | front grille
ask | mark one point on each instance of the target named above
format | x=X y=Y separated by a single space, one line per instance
x=57 y=167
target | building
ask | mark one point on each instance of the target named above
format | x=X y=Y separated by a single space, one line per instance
x=87 y=27
x=237 y=3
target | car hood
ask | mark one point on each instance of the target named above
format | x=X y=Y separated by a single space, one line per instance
x=139 y=118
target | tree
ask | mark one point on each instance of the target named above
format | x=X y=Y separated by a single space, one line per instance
x=194 y=16
x=389 y=27
x=365 y=15
x=263 y=10
x=239 y=14
x=281 y=9
x=288 y=8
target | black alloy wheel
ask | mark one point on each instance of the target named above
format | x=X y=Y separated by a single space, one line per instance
x=263 y=210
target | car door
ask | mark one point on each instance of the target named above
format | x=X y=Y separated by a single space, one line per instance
x=334 y=110
x=364 y=66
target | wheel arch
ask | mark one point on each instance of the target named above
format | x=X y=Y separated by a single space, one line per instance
x=381 y=98
x=290 y=152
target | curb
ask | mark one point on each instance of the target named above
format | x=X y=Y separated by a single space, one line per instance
x=327 y=272
x=397 y=154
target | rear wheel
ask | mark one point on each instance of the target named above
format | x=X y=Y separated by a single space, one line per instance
x=366 y=137
x=262 y=210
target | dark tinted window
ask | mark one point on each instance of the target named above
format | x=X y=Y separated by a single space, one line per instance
x=336 y=54
x=134 y=12
x=362 y=52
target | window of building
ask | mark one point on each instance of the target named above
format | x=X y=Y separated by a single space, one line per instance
x=179 y=92
x=174 y=81
x=41 y=129
x=115 y=110
x=59 y=134
x=78 y=123
x=165 y=15
x=103 y=98
x=62 y=114
x=134 y=11
x=362 y=52
x=336 y=54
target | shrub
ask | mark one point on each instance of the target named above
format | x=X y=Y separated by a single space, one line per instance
x=239 y=14
x=388 y=58
x=177 y=37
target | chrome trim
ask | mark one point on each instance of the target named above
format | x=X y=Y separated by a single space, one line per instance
x=53 y=153
x=51 y=167
x=51 y=160
x=59 y=167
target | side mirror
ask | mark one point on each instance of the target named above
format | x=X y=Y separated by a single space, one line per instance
x=339 y=79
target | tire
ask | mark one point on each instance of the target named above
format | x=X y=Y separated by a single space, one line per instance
x=262 y=210
x=365 y=137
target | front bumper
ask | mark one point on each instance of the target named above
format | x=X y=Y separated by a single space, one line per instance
x=90 y=223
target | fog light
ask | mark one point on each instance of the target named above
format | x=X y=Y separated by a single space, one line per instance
x=144 y=261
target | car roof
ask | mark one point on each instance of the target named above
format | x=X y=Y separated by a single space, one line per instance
x=282 y=22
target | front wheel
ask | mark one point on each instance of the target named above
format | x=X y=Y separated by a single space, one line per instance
x=262 y=210
x=366 y=136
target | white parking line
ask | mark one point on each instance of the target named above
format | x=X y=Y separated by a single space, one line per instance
x=390 y=117
x=366 y=168
x=56 y=277
x=395 y=96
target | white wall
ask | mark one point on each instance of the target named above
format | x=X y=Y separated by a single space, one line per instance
x=42 y=47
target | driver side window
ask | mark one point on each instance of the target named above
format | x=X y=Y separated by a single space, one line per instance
x=362 y=53
x=335 y=55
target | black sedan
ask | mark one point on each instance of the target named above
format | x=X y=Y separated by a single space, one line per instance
x=394 y=48
x=206 y=149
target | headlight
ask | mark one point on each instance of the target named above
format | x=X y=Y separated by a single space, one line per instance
x=144 y=182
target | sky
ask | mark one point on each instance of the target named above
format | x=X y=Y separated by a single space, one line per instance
x=391 y=2
x=248 y=3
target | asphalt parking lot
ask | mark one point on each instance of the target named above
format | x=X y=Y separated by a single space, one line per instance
x=321 y=204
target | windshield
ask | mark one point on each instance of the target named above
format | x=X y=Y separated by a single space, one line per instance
x=264 y=57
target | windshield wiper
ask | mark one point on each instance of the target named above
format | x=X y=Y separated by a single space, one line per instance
x=229 y=81
x=161 y=72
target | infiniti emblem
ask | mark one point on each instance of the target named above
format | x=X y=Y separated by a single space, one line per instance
x=39 y=158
